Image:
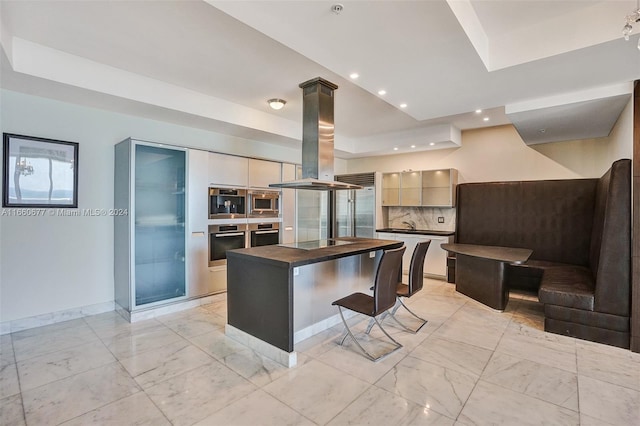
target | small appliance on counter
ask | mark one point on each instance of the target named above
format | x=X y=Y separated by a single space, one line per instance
x=227 y=203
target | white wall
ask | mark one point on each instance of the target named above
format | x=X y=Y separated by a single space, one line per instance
x=54 y=263
x=499 y=154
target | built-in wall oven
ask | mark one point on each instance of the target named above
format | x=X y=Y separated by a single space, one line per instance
x=223 y=238
x=264 y=203
x=227 y=203
x=264 y=234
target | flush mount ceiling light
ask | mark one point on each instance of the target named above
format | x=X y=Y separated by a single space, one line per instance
x=276 y=103
x=354 y=75
x=631 y=19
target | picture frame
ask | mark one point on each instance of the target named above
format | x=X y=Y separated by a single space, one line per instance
x=39 y=172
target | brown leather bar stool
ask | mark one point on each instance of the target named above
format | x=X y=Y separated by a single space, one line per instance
x=384 y=298
x=416 y=278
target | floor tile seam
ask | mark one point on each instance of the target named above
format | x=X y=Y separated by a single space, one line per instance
x=507 y=353
x=586 y=376
x=56 y=325
x=200 y=334
x=186 y=344
x=559 y=367
x=457 y=341
x=113 y=361
x=210 y=361
x=24 y=413
x=145 y=351
x=160 y=326
x=102 y=406
x=59 y=350
x=535 y=397
x=377 y=386
x=475 y=385
x=476 y=377
x=282 y=402
x=351 y=402
x=82 y=372
x=364 y=359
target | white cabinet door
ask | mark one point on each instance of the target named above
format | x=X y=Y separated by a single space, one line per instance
x=386 y=236
x=228 y=170
x=436 y=261
x=197 y=238
x=410 y=243
x=262 y=173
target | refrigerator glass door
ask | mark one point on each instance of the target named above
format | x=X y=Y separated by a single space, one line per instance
x=345 y=213
x=364 y=208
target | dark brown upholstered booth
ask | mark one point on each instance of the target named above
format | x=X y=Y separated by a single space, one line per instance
x=580 y=234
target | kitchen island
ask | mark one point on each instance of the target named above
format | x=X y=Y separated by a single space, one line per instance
x=279 y=295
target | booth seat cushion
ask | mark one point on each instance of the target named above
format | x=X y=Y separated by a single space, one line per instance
x=568 y=286
x=587 y=318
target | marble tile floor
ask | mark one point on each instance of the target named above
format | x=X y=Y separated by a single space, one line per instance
x=468 y=366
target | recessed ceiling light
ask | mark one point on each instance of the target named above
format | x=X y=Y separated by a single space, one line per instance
x=478 y=111
x=382 y=92
x=354 y=75
x=432 y=143
x=485 y=119
x=413 y=146
x=403 y=105
x=395 y=148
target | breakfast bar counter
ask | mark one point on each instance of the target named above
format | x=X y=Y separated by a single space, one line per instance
x=278 y=295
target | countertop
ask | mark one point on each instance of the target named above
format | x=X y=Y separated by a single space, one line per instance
x=284 y=256
x=416 y=231
x=501 y=254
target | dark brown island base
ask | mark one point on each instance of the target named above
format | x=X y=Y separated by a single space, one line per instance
x=480 y=271
x=280 y=295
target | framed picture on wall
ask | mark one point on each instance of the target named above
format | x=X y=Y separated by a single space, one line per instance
x=39 y=172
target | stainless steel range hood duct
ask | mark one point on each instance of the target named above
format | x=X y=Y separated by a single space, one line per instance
x=317 y=139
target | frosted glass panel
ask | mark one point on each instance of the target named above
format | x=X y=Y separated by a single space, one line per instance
x=159 y=224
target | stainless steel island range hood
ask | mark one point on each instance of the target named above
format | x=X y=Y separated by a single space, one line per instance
x=317 y=139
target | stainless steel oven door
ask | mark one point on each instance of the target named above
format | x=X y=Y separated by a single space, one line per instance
x=223 y=238
x=264 y=234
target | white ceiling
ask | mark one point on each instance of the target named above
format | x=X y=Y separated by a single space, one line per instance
x=214 y=64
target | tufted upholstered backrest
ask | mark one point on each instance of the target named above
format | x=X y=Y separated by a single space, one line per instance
x=554 y=218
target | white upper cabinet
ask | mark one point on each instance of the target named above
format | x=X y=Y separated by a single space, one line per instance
x=228 y=170
x=262 y=173
x=411 y=188
x=391 y=189
x=439 y=187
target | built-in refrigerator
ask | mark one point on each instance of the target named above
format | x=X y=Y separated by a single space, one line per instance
x=355 y=210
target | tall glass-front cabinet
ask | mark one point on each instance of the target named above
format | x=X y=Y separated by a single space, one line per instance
x=150 y=241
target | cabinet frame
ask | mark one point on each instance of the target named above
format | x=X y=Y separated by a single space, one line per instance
x=125 y=227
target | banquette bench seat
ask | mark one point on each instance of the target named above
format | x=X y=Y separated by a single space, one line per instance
x=580 y=234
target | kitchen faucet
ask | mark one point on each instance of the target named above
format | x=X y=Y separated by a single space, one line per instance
x=411 y=224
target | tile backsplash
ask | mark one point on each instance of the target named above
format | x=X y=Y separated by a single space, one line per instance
x=423 y=217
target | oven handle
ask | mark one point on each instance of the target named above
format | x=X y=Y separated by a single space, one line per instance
x=275 y=231
x=233 y=234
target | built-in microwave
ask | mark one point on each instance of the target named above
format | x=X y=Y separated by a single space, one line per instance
x=227 y=203
x=264 y=203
